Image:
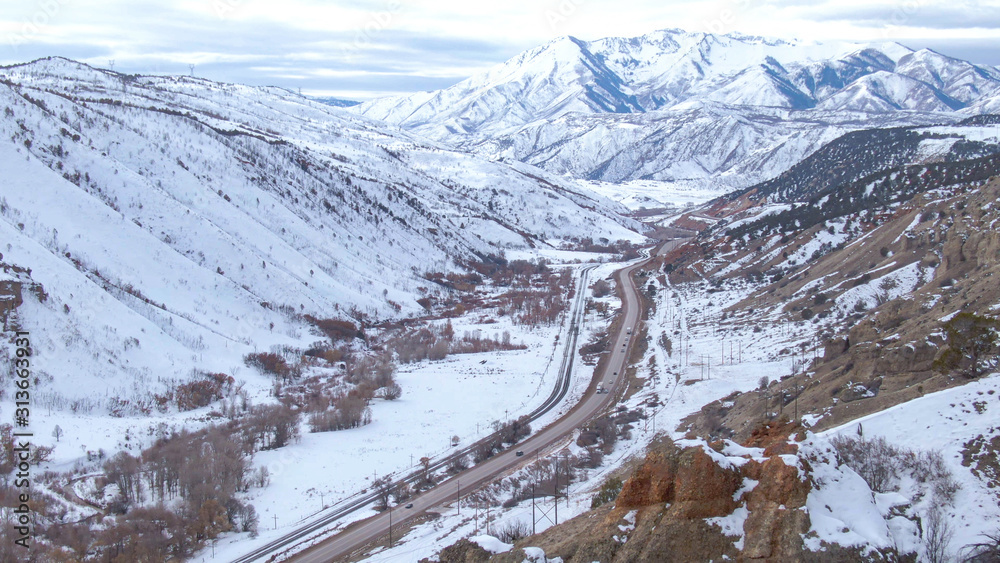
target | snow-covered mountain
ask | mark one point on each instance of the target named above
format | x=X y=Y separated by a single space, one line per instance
x=172 y=223
x=726 y=110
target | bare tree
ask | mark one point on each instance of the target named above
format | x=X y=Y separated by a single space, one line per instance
x=937 y=533
x=986 y=551
x=601 y=288
x=383 y=490
x=457 y=464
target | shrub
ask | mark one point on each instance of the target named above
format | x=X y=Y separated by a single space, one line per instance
x=203 y=392
x=392 y=392
x=515 y=430
x=348 y=412
x=459 y=463
x=881 y=464
x=336 y=329
x=512 y=531
x=972 y=344
x=485 y=450
x=876 y=461
x=268 y=362
x=609 y=492
x=601 y=288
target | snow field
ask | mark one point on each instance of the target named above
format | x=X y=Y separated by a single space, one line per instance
x=461 y=395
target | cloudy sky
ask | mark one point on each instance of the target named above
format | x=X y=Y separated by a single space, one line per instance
x=365 y=48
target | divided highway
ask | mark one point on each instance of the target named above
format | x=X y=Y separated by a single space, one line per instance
x=360 y=534
x=352 y=504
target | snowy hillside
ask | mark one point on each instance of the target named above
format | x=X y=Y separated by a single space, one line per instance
x=724 y=110
x=171 y=223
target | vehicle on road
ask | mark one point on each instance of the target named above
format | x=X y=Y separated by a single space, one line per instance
x=409 y=505
x=519 y=453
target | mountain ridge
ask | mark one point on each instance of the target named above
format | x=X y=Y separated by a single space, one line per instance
x=276 y=206
x=644 y=108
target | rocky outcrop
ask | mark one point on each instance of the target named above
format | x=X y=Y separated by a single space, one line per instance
x=690 y=480
x=676 y=504
x=776 y=520
x=463 y=551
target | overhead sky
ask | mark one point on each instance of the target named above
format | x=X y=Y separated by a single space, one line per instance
x=360 y=49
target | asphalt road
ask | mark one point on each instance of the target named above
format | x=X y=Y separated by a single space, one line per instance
x=441 y=498
x=269 y=551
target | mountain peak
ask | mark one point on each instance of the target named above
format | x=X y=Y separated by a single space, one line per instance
x=544 y=105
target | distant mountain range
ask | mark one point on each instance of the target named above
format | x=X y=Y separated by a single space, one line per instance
x=724 y=111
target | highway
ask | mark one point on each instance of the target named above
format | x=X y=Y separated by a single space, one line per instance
x=363 y=500
x=438 y=499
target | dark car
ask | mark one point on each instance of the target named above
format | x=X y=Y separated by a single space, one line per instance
x=409 y=505
x=519 y=453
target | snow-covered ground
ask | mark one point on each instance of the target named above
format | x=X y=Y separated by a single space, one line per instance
x=944 y=422
x=682 y=384
x=941 y=422
x=459 y=396
x=177 y=224
x=650 y=194
x=173 y=225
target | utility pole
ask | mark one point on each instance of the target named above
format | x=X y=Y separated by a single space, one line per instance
x=532 y=508
x=275 y=521
x=555 y=492
x=459 y=503
x=111 y=63
x=191 y=66
x=390 y=526
x=567 y=479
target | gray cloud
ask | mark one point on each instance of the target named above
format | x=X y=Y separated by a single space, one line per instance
x=381 y=61
x=915 y=14
x=157 y=37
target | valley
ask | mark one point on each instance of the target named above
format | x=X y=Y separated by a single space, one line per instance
x=669 y=297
